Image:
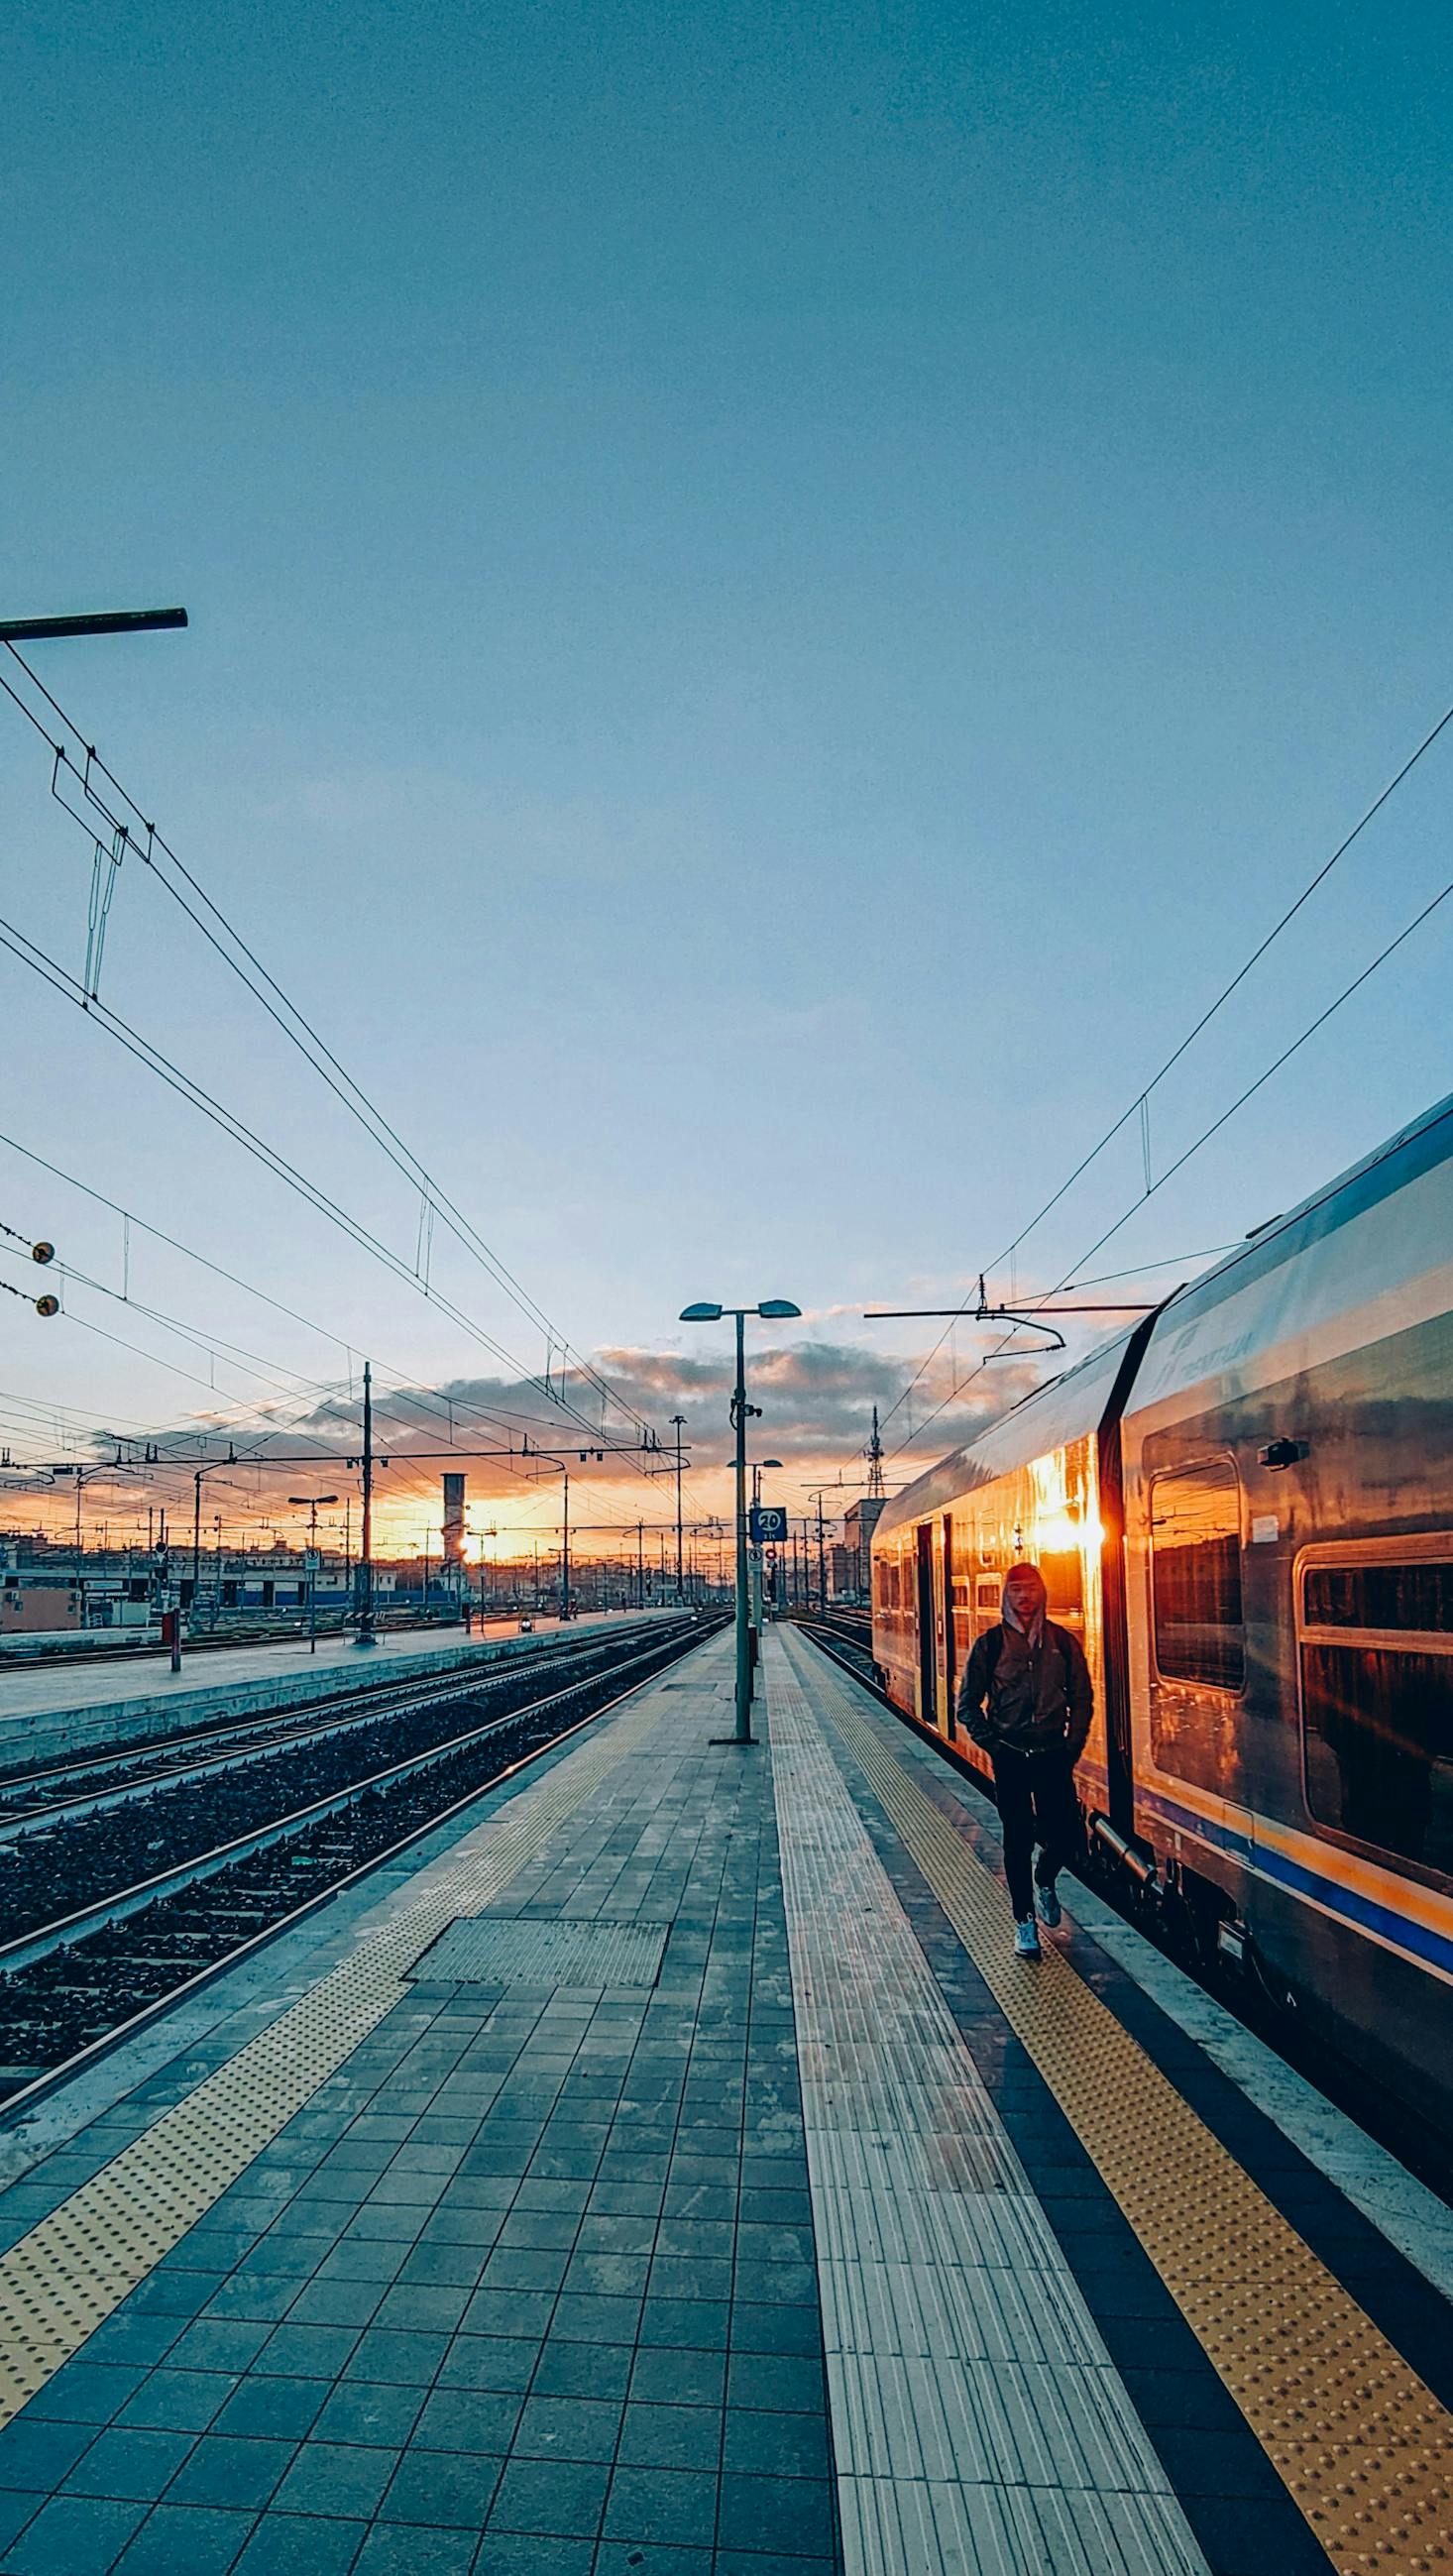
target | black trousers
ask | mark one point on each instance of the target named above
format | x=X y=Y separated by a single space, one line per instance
x=1037 y=1804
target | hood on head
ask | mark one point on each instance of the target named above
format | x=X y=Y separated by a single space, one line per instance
x=1022 y=1577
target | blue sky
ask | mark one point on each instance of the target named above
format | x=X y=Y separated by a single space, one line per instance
x=778 y=594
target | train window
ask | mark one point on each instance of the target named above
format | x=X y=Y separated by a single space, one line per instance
x=990 y=1593
x=1195 y=1561
x=1377 y=1706
x=1064 y=1581
x=1380 y=1595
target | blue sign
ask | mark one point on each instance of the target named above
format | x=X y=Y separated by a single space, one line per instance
x=768 y=1524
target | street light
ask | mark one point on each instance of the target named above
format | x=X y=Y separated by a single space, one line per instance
x=310 y=1503
x=771 y=1310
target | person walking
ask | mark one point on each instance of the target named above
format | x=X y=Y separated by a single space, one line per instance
x=1026 y=1699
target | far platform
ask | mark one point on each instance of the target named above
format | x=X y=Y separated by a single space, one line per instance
x=63 y=1708
x=670 y=2172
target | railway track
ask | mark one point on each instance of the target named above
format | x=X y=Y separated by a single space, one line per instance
x=29 y=1798
x=111 y=1946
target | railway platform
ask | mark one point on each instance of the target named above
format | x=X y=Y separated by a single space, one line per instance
x=667 y=2168
x=47 y=1713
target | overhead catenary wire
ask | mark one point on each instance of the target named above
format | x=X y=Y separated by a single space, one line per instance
x=440 y=1404
x=1143 y=1096
x=1221 y=1120
x=229 y=944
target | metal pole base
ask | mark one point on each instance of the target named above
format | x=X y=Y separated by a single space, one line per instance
x=752 y=1740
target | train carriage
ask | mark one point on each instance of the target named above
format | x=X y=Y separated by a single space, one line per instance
x=1244 y=1507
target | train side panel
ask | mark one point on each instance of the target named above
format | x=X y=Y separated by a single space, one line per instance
x=1288 y=1457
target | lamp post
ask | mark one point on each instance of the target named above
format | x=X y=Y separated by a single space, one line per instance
x=771 y=1310
x=310 y=1503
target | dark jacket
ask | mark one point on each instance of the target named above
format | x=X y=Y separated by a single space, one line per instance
x=1018 y=1700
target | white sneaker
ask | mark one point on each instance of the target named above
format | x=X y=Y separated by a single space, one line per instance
x=1026 y=1939
x=1050 y=1909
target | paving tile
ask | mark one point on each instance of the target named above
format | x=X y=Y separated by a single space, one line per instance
x=306 y=2352
x=131 y=2338
x=670 y=2506
x=777 y=2383
x=758 y=2328
x=369 y=2411
x=454 y=2488
x=701 y=2324
x=509 y=2312
x=336 y=2303
x=795 y=2515
x=742 y=2562
x=456 y=2419
x=540 y=2230
x=627 y=2558
x=291 y=2544
x=218 y=2344
x=507 y=2553
x=402 y=2549
x=522 y=2267
x=410 y=2359
x=130 y=2465
x=230 y=2470
x=37 y=2453
x=582 y=2370
x=585 y=2317
x=787 y=2446
x=271 y=2409
x=567 y=2428
x=667 y=2375
x=563 y=2498
x=504 y=2362
x=336 y=2478
x=86 y=2391
x=190 y=2537
x=671 y=2437
x=73 y=2536
x=178 y=2401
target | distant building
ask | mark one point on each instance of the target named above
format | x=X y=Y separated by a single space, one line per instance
x=859 y=1522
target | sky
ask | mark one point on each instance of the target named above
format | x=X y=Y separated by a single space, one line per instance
x=779 y=598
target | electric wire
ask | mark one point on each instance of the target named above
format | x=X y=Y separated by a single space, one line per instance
x=1214 y=1129
x=1143 y=1096
x=296 y=1026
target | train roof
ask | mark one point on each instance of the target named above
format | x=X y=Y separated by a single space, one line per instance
x=1077 y=1401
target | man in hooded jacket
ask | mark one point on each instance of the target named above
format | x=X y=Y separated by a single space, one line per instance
x=1026 y=1700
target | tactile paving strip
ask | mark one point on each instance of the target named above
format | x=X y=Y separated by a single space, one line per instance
x=979 y=2425
x=59 y=2281
x=508 y=1950
x=1361 y=2443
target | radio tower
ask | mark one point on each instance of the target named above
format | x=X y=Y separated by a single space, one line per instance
x=875 y=1461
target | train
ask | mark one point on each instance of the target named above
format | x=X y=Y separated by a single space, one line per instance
x=1242 y=1504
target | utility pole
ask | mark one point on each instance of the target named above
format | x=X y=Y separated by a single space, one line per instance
x=312 y=1501
x=366 y=1636
x=678 y=1420
x=640 y=1565
x=565 y=1556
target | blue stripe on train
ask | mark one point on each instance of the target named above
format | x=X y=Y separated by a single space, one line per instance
x=1365 y=1911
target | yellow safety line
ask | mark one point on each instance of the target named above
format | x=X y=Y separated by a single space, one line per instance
x=1363 y=2446
x=67 y=2274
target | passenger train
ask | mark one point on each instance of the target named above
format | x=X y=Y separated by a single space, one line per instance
x=1243 y=1506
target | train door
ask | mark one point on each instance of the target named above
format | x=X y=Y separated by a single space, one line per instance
x=927 y=1656
x=950 y=1656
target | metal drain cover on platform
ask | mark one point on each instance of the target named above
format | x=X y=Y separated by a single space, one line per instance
x=510 y=1950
